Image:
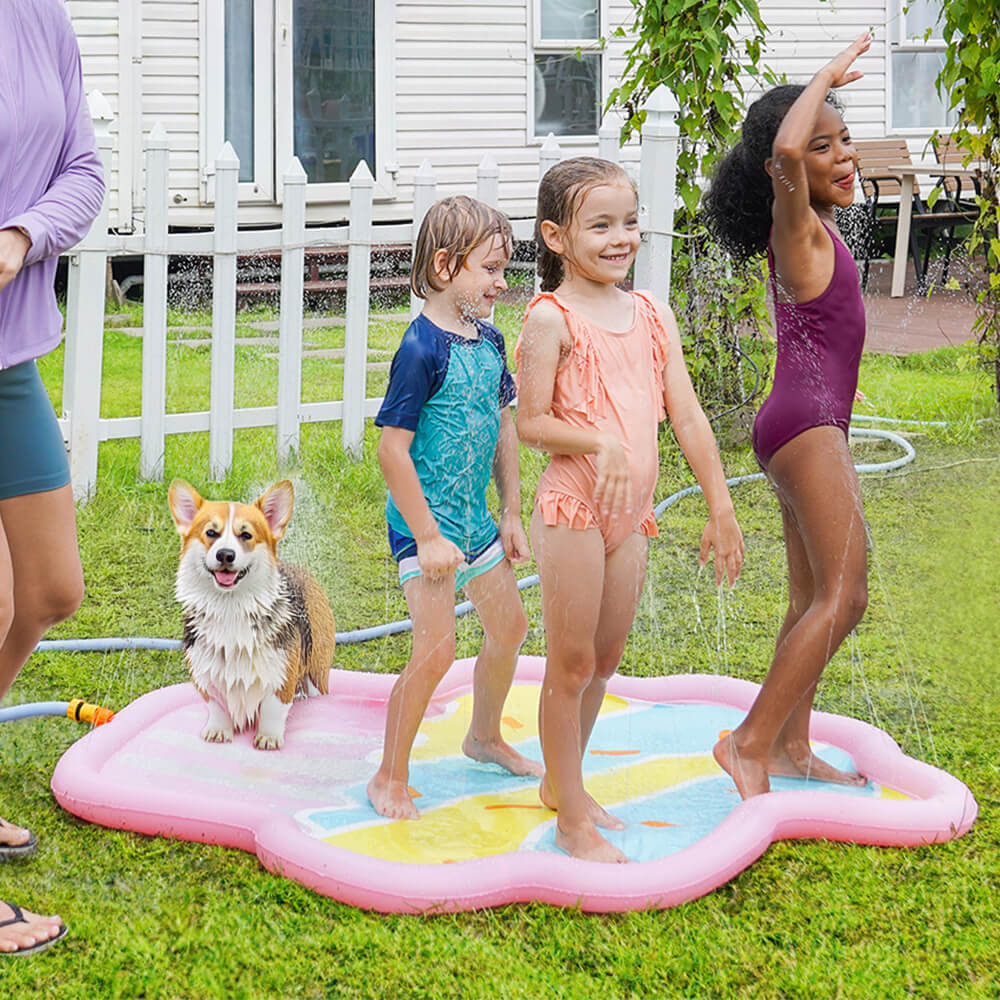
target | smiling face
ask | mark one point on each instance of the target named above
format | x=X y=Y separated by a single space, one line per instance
x=223 y=542
x=602 y=237
x=831 y=161
x=474 y=288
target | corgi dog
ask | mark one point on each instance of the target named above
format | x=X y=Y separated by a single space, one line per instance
x=256 y=631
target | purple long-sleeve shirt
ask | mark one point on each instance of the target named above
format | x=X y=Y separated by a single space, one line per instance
x=51 y=175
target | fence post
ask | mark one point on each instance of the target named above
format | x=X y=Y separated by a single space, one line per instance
x=548 y=156
x=488 y=180
x=293 y=233
x=220 y=421
x=154 y=308
x=424 y=193
x=359 y=254
x=608 y=139
x=85 y=326
x=657 y=184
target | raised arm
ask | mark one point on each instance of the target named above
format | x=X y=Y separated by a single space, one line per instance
x=803 y=132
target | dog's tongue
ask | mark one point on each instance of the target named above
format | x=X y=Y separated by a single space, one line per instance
x=224 y=578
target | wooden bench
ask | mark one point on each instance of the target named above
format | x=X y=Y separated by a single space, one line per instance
x=881 y=188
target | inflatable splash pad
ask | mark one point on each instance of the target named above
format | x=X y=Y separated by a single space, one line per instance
x=483 y=838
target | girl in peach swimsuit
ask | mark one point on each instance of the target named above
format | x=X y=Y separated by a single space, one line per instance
x=632 y=362
x=598 y=369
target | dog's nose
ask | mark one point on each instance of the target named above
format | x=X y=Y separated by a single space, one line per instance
x=225 y=557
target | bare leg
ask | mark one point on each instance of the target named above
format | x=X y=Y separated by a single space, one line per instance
x=432 y=610
x=791 y=754
x=505 y=625
x=816 y=483
x=33 y=931
x=41 y=581
x=571 y=567
x=624 y=575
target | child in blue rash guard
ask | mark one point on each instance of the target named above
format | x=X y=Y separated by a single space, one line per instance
x=446 y=424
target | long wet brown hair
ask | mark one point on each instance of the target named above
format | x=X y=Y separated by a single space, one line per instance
x=559 y=195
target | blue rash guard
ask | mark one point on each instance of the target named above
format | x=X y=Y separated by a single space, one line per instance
x=449 y=390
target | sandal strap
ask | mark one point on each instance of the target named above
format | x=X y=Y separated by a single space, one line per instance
x=18 y=917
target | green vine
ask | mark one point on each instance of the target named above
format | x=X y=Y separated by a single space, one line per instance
x=970 y=74
x=702 y=52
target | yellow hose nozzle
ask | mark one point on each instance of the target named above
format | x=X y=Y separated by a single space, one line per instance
x=83 y=711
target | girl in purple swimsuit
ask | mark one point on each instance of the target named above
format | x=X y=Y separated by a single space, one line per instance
x=776 y=192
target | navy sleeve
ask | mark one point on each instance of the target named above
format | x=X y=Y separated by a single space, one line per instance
x=508 y=391
x=417 y=372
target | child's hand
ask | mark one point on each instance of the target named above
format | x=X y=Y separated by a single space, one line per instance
x=515 y=541
x=838 y=66
x=438 y=557
x=613 y=489
x=723 y=534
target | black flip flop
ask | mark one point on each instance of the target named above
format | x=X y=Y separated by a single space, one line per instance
x=18 y=918
x=12 y=852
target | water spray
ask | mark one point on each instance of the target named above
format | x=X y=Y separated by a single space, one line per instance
x=98 y=716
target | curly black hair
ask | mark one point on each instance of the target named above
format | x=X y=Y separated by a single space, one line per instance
x=737 y=208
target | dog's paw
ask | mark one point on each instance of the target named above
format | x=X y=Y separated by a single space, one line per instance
x=215 y=735
x=269 y=741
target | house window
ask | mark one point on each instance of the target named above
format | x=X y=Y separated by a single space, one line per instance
x=239 y=99
x=304 y=78
x=238 y=92
x=333 y=83
x=915 y=62
x=567 y=67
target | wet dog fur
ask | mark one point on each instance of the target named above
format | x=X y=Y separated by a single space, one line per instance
x=257 y=631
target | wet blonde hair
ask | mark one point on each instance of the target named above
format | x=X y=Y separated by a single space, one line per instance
x=456 y=225
x=559 y=195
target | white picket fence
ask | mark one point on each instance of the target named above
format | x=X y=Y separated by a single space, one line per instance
x=83 y=426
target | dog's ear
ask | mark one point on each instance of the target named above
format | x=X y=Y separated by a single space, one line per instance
x=184 y=501
x=276 y=506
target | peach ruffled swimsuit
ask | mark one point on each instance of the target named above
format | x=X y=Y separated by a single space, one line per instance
x=611 y=382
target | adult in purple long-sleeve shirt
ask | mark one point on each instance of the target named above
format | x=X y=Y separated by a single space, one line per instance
x=51 y=189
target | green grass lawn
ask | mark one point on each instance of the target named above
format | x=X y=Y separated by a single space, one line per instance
x=153 y=918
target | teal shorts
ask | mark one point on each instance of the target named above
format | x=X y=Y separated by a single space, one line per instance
x=477 y=562
x=32 y=451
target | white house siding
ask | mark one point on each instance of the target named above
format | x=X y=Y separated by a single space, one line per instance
x=170 y=88
x=462 y=77
x=460 y=88
x=96 y=25
x=804 y=33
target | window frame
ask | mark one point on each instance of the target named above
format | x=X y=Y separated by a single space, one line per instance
x=563 y=46
x=897 y=42
x=273 y=104
x=213 y=88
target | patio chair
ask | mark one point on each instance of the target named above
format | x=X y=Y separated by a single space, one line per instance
x=948 y=152
x=881 y=189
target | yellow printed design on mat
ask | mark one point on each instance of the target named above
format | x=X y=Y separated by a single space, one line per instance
x=485 y=825
x=444 y=734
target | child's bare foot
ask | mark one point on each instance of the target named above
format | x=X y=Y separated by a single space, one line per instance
x=585 y=843
x=596 y=813
x=749 y=775
x=23 y=932
x=391 y=798
x=500 y=752
x=795 y=761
